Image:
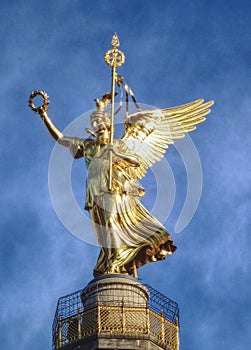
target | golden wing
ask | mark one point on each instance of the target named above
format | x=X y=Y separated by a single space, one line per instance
x=148 y=133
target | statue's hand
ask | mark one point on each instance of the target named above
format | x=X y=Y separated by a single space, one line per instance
x=42 y=112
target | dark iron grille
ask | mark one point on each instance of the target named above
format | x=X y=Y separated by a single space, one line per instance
x=161 y=304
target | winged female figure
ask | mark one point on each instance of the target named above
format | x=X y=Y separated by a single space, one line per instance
x=128 y=234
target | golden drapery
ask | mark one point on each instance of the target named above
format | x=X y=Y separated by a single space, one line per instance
x=126 y=231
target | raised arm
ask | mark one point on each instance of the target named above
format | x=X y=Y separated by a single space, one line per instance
x=42 y=111
x=53 y=130
x=76 y=145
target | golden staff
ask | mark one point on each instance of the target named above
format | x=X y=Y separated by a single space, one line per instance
x=114 y=58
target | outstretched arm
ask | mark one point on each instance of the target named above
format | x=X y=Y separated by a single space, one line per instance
x=75 y=145
x=53 y=130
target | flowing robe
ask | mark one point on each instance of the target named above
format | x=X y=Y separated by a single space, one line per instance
x=127 y=233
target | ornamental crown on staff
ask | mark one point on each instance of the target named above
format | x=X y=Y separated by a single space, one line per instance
x=128 y=234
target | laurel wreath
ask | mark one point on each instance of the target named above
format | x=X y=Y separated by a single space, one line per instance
x=45 y=98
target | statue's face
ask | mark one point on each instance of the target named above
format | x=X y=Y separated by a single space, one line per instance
x=99 y=124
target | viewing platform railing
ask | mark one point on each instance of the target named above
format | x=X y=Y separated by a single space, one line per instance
x=158 y=321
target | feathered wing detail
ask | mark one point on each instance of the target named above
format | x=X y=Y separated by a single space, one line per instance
x=149 y=132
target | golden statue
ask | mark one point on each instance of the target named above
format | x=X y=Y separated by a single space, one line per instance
x=129 y=236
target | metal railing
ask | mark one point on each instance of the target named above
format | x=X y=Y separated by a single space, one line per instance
x=157 y=321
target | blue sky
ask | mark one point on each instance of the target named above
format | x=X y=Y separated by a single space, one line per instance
x=176 y=51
